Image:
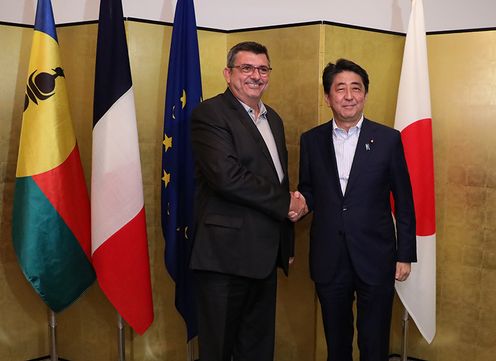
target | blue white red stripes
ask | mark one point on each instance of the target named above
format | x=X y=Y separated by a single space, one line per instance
x=119 y=240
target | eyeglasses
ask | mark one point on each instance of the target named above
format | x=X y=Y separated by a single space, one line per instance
x=249 y=69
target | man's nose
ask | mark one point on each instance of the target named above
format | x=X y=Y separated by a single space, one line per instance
x=256 y=73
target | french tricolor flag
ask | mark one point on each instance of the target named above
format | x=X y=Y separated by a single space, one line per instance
x=414 y=121
x=119 y=241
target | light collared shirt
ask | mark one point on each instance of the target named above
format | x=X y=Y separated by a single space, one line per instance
x=264 y=128
x=345 y=143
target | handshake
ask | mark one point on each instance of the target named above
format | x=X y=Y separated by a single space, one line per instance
x=297 y=206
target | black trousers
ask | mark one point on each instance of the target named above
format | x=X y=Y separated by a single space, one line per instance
x=236 y=317
x=374 y=308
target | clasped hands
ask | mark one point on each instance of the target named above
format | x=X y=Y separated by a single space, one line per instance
x=297 y=206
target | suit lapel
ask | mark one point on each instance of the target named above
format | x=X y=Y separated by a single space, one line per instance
x=280 y=141
x=362 y=154
x=329 y=156
x=251 y=128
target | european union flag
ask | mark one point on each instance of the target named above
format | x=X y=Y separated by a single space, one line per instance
x=183 y=95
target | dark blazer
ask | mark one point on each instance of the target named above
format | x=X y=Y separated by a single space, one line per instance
x=241 y=207
x=359 y=222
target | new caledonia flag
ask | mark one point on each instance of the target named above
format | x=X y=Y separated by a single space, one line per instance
x=51 y=219
x=183 y=95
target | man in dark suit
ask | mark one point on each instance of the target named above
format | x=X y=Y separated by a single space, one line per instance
x=349 y=166
x=242 y=231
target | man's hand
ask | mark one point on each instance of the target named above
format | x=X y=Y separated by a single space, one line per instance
x=297 y=207
x=402 y=271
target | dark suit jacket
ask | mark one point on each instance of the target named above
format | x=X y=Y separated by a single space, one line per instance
x=241 y=207
x=359 y=222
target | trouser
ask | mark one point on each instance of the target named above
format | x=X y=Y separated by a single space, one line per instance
x=236 y=317
x=374 y=308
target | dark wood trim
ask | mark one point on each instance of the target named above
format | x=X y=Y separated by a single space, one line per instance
x=270 y=27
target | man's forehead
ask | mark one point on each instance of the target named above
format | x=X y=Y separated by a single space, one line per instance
x=348 y=77
x=250 y=55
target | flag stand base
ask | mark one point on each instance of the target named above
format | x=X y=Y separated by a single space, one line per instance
x=396 y=357
x=46 y=358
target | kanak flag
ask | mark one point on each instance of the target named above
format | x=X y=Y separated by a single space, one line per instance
x=119 y=241
x=413 y=120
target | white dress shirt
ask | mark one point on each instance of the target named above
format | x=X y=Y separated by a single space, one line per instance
x=345 y=143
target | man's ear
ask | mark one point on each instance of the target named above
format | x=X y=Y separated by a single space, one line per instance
x=326 y=99
x=227 y=75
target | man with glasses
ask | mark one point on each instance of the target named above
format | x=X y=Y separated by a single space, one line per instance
x=242 y=205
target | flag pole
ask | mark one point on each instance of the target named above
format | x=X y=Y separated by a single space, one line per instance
x=404 y=341
x=192 y=349
x=52 y=325
x=122 y=338
x=189 y=356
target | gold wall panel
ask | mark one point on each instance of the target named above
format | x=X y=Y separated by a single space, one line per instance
x=380 y=55
x=463 y=95
x=212 y=62
x=463 y=91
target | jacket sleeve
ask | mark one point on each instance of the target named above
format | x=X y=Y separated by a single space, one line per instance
x=304 y=185
x=403 y=205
